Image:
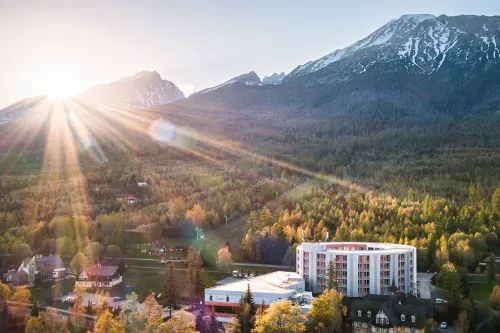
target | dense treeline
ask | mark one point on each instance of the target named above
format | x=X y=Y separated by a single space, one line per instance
x=441 y=229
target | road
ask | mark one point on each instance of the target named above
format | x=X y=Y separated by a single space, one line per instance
x=424 y=280
x=260 y=265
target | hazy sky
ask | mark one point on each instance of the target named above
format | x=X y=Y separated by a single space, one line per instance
x=195 y=44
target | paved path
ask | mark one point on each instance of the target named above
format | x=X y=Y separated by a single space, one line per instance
x=424 y=280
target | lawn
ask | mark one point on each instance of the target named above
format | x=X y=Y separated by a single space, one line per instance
x=44 y=291
x=481 y=287
x=151 y=280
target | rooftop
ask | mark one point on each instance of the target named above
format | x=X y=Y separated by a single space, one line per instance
x=276 y=282
x=360 y=247
x=100 y=270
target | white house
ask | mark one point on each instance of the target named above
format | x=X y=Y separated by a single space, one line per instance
x=47 y=267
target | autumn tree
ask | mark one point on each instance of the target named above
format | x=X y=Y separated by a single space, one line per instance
x=494 y=299
x=4 y=292
x=326 y=314
x=79 y=262
x=195 y=274
x=93 y=252
x=430 y=326
x=48 y=321
x=224 y=259
x=107 y=324
x=181 y=322
x=196 y=215
x=280 y=317
x=462 y=322
x=20 y=299
x=114 y=251
x=449 y=280
x=171 y=294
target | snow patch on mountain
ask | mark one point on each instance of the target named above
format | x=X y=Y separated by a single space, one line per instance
x=381 y=36
x=275 y=78
x=249 y=79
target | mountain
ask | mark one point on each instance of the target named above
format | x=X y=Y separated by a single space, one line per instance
x=144 y=89
x=275 y=78
x=383 y=35
x=249 y=79
x=407 y=106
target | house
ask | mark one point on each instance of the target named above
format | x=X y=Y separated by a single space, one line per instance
x=389 y=314
x=130 y=199
x=46 y=268
x=99 y=276
x=18 y=278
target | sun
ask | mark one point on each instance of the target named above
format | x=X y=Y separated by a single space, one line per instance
x=60 y=85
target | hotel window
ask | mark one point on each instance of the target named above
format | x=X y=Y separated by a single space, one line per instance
x=227 y=298
x=210 y=297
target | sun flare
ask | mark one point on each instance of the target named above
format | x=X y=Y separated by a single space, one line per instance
x=60 y=86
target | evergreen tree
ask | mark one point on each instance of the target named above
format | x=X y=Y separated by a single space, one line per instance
x=171 y=294
x=331 y=273
x=248 y=298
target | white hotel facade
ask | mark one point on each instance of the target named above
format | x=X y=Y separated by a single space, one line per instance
x=362 y=268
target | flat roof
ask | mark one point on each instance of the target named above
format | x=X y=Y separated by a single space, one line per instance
x=362 y=247
x=276 y=282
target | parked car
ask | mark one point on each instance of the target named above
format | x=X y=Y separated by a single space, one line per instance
x=252 y=275
x=246 y=275
x=444 y=325
x=240 y=275
x=441 y=301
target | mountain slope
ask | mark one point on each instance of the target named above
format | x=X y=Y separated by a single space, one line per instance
x=144 y=89
x=249 y=79
x=275 y=78
x=383 y=35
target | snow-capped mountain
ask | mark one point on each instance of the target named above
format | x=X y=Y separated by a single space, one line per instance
x=457 y=43
x=396 y=27
x=275 y=78
x=249 y=79
x=144 y=89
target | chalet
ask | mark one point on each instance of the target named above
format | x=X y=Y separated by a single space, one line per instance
x=389 y=314
x=45 y=268
x=99 y=276
x=130 y=199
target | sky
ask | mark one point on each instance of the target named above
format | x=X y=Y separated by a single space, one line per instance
x=49 y=46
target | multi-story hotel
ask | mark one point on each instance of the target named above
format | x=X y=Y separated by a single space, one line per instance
x=362 y=268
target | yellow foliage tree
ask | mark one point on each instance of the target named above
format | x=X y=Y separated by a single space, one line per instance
x=280 y=317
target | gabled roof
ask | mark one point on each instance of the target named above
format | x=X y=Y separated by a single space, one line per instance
x=100 y=270
x=393 y=307
x=45 y=261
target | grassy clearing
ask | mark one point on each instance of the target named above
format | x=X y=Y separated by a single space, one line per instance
x=145 y=281
x=481 y=287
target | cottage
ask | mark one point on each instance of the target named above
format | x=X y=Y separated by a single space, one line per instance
x=130 y=199
x=45 y=268
x=99 y=276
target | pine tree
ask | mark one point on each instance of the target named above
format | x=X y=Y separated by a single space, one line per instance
x=171 y=294
x=248 y=298
x=332 y=275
